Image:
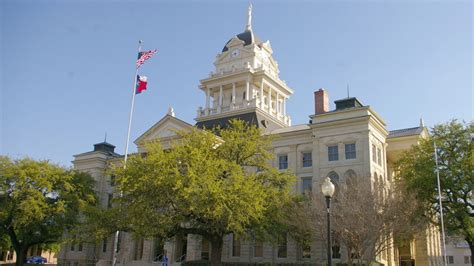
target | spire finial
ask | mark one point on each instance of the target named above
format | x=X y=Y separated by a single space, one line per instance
x=105 y=138
x=249 y=18
x=422 y=123
x=348 y=90
x=171 y=111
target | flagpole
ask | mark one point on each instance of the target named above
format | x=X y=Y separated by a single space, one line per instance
x=440 y=203
x=117 y=233
x=131 y=108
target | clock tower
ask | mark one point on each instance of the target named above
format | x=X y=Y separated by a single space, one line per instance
x=245 y=84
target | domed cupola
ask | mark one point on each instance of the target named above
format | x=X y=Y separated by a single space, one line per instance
x=248 y=37
x=245 y=84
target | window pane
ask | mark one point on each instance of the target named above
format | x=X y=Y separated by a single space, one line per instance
x=282 y=251
x=258 y=248
x=307 y=184
x=307 y=159
x=306 y=250
x=138 y=249
x=350 y=151
x=205 y=249
x=467 y=259
x=235 y=246
x=104 y=245
x=334 y=178
x=374 y=153
x=336 y=252
x=333 y=154
x=283 y=161
x=379 y=156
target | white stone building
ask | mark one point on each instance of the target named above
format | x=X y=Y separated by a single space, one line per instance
x=245 y=84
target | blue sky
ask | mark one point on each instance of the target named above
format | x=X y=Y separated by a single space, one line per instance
x=67 y=67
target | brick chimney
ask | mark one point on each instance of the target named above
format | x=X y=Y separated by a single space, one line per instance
x=321 y=102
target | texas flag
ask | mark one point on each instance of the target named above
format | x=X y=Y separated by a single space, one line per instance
x=141 y=84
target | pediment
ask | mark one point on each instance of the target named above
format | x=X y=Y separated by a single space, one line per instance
x=166 y=128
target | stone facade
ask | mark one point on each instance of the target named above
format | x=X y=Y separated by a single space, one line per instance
x=351 y=140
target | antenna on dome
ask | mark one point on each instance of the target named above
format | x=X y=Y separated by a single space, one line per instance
x=105 y=138
x=249 y=18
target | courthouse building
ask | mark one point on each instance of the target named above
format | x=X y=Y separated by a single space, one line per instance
x=351 y=140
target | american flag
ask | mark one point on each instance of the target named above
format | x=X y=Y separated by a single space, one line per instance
x=143 y=56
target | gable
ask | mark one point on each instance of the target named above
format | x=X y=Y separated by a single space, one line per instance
x=166 y=128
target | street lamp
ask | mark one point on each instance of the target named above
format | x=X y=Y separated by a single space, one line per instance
x=328 y=190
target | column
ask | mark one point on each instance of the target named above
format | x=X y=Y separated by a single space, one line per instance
x=284 y=106
x=278 y=104
x=233 y=93
x=247 y=90
x=208 y=96
x=220 y=99
x=261 y=95
x=269 y=99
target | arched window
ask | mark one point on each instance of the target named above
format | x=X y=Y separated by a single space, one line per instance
x=350 y=174
x=334 y=177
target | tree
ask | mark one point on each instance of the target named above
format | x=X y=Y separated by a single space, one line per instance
x=206 y=184
x=38 y=201
x=365 y=219
x=417 y=168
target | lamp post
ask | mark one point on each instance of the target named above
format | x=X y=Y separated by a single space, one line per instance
x=328 y=190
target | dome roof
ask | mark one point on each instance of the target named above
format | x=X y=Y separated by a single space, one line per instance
x=247 y=37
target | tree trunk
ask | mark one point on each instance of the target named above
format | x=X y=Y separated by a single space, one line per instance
x=471 y=246
x=216 y=251
x=21 y=253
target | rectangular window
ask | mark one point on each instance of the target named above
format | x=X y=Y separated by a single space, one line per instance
x=158 y=249
x=79 y=247
x=306 y=248
x=109 y=200
x=282 y=250
x=307 y=159
x=350 y=151
x=307 y=185
x=467 y=259
x=283 y=161
x=104 y=245
x=205 y=249
x=138 y=249
x=235 y=246
x=72 y=248
x=450 y=259
x=374 y=153
x=379 y=156
x=76 y=263
x=333 y=154
x=336 y=252
x=258 y=249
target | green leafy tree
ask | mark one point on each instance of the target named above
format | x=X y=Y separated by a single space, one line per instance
x=417 y=169
x=38 y=201
x=206 y=184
